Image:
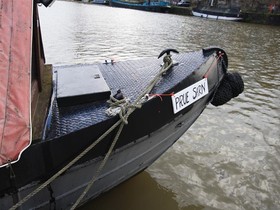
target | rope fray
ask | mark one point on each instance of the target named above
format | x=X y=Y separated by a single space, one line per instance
x=120 y=107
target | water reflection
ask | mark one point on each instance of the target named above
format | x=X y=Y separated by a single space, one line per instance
x=141 y=192
x=230 y=158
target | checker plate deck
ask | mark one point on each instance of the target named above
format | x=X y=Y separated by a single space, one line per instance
x=131 y=77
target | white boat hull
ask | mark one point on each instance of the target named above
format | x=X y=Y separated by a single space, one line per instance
x=216 y=17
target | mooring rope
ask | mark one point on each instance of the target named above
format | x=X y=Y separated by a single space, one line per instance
x=124 y=114
x=130 y=108
x=101 y=166
x=71 y=163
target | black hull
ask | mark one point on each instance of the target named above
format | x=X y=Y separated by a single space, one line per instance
x=130 y=160
x=226 y=14
x=146 y=127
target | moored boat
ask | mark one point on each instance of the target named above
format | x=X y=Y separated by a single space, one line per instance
x=100 y=2
x=218 y=10
x=101 y=123
x=152 y=6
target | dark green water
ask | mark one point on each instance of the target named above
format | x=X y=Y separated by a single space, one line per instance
x=230 y=158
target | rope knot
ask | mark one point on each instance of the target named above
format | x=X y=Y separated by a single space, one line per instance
x=121 y=107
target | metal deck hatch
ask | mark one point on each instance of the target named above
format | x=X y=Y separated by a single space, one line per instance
x=80 y=84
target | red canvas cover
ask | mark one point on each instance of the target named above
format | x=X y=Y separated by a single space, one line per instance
x=15 y=76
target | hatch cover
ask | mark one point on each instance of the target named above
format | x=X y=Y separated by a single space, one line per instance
x=80 y=84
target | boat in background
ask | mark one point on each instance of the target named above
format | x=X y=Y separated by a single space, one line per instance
x=152 y=6
x=101 y=2
x=71 y=133
x=218 y=10
x=184 y=3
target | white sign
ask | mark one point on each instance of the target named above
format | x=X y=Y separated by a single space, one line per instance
x=189 y=95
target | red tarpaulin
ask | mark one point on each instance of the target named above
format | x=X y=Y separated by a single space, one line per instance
x=15 y=78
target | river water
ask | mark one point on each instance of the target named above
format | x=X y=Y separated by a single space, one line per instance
x=230 y=157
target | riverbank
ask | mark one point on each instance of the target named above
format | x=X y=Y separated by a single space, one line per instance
x=261 y=18
x=186 y=11
x=248 y=17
